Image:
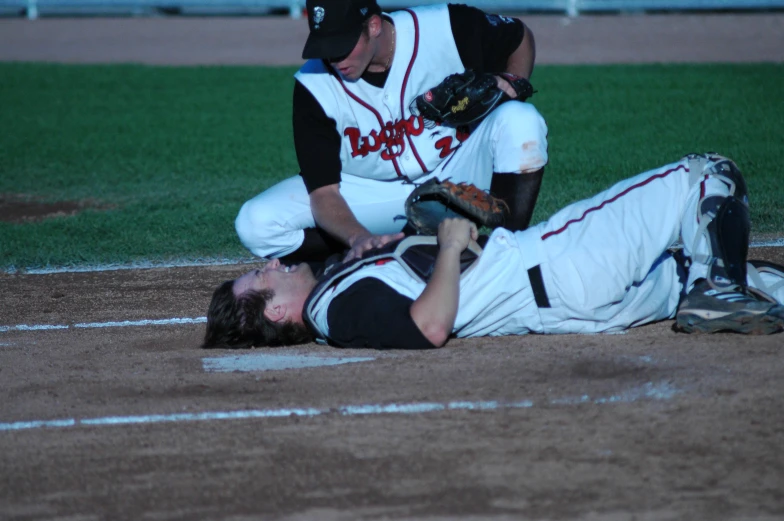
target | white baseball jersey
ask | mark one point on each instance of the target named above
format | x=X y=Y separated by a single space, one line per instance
x=383 y=146
x=603 y=261
x=381 y=138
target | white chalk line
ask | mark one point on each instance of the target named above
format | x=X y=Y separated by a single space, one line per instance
x=173 y=321
x=143 y=265
x=133 y=323
x=649 y=391
x=87 y=325
x=773 y=243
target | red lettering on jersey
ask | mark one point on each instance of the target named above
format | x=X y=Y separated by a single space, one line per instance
x=445 y=143
x=353 y=135
x=391 y=137
x=445 y=146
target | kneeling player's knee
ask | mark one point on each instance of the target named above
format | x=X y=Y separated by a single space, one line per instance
x=518 y=115
x=520 y=138
x=255 y=226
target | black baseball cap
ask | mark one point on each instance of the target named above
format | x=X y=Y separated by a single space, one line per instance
x=335 y=26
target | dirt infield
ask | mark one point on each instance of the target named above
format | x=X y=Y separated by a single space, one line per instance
x=110 y=410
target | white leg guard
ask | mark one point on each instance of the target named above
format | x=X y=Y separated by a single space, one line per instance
x=720 y=244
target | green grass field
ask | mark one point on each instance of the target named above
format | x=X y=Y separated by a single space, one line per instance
x=174 y=152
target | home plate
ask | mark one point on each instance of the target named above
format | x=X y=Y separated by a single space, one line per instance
x=253 y=362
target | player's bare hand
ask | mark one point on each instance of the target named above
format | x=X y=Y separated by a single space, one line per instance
x=504 y=86
x=368 y=242
x=456 y=233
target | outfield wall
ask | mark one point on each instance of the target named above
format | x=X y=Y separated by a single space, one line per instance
x=35 y=8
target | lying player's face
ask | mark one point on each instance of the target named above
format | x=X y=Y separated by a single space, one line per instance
x=354 y=64
x=283 y=280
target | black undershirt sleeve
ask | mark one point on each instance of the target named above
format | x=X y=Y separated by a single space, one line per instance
x=316 y=141
x=484 y=41
x=371 y=314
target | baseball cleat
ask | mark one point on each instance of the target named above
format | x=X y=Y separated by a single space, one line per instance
x=708 y=310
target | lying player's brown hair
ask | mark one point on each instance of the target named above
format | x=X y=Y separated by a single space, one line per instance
x=239 y=322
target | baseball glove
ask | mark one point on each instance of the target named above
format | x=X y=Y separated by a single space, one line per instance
x=467 y=97
x=434 y=200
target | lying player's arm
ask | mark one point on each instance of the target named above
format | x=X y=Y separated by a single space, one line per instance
x=435 y=310
x=331 y=212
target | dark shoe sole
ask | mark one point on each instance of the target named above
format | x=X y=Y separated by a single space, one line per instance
x=738 y=322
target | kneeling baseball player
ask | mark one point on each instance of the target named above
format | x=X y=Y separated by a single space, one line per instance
x=599 y=265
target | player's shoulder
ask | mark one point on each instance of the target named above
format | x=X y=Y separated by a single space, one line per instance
x=462 y=10
x=465 y=15
x=313 y=67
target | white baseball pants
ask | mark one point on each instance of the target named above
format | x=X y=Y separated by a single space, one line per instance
x=513 y=138
x=603 y=259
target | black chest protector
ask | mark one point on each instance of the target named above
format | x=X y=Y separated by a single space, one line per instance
x=416 y=254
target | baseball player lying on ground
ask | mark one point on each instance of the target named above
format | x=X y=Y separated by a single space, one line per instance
x=602 y=264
